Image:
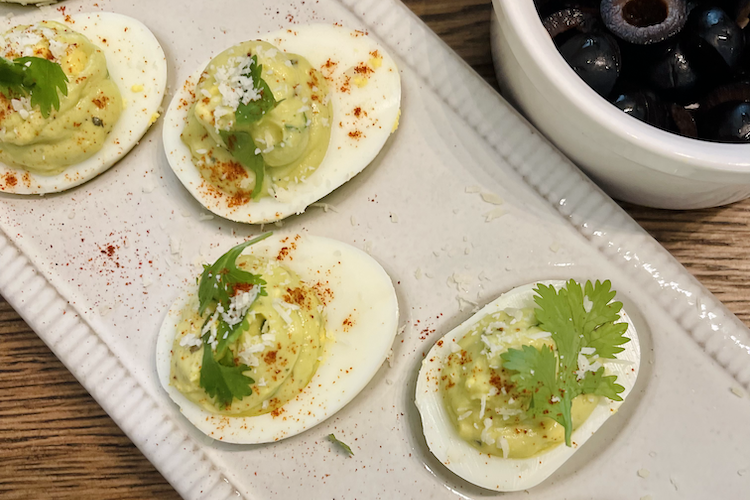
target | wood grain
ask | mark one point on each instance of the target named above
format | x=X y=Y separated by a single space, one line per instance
x=56 y=442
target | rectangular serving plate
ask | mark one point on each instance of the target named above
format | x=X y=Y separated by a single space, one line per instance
x=418 y=210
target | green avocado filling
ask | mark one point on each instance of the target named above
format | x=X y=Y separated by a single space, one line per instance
x=59 y=110
x=254 y=344
x=522 y=380
x=260 y=123
x=483 y=403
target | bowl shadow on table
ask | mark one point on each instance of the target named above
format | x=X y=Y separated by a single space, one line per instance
x=601 y=446
x=668 y=226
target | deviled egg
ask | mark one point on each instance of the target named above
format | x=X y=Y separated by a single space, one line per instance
x=509 y=395
x=280 y=334
x=86 y=89
x=270 y=126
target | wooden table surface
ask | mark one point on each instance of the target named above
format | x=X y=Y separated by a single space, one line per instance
x=56 y=442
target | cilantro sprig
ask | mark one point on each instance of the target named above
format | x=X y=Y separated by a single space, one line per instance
x=220 y=375
x=342 y=444
x=35 y=77
x=240 y=143
x=218 y=280
x=576 y=319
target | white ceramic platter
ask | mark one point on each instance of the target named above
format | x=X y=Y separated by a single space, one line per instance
x=93 y=271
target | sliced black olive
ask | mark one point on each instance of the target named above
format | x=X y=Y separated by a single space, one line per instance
x=547 y=7
x=596 y=59
x=673 y=75
x=644 y=21
x=742 y=14
x=683 y=121
x=732 y=92
x=566 y=19
x=727 y=122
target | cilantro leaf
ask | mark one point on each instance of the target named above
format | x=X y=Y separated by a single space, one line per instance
x=12 y=78
x=222 y=381
x=602 y=385
x=227 y=335
x=601 y=332
x=558 y=314
x=345 y=446
x=537 y=376
x=48 y=77
x=218 y=280
x=576 y=318
x=34 y=76
x=243 y=149
x=536 y=373
x=254 y=110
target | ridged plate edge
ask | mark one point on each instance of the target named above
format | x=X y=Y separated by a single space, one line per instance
x=92 y=362
x=550 y=174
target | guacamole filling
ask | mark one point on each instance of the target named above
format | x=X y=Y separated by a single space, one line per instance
x=281 y=341
x=483 y=403
x=285 y=136
x=86 y=115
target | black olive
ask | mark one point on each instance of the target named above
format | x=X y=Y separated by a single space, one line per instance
x=547 y=7
x=715 y=41
x=727 y=122
x=566 y=19
x=632 y=104
x=641 y=104
x=742 y=13
x=683 y=121
x=742 y=71
x=737 y=9
x=673 y=75
x=596 y=59
x=644 y=21
x=679 y=65
x=733 y=92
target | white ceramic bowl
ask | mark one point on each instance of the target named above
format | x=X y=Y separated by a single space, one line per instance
x=629 y=159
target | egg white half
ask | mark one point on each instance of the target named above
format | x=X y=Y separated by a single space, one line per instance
x=507 y=474
x=134 y=58
x=30 y=2
x=346 y=156
x=361 y=323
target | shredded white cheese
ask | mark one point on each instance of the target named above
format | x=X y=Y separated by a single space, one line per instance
x=485 y=436
x=505 y=446
x=238 y=306
x=190 y=340
x=493 y=214
x=284 y=308
x=491 y=198
x=235 y=86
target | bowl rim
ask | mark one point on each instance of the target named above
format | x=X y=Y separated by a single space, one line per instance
x=689 y=158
